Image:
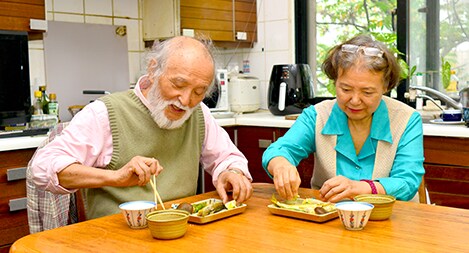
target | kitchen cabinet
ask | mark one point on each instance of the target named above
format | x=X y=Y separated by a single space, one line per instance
x=252 y=142
x=13 y=214
x=447 y=170
x=15 y=15
x=229 y=23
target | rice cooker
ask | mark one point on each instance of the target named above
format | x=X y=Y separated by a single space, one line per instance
x=244 y=94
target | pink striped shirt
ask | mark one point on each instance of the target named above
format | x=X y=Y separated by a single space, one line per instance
x=88 y=140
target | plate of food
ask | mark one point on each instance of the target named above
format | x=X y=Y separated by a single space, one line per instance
x=304 y=208
x=209 y=210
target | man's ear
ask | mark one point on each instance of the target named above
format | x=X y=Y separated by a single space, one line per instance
x=152 y=68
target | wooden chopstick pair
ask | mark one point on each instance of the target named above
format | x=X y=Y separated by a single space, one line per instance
x=156 y=194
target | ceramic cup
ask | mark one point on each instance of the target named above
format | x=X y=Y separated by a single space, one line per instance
x=354 y=215
x=451 y=115
x=135 y=212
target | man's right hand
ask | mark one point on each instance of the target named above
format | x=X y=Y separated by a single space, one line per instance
x=137 y=171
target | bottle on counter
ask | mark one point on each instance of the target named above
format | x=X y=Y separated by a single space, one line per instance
x=45 y=99
x=53 y=105
x=419 y=82
x=38 y=103
x=453 y=83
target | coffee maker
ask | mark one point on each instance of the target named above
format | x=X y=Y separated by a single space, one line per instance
x=290 y=89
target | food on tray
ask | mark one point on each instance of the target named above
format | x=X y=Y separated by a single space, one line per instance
x=206 y=207
x=186 y=207
x=308 y=205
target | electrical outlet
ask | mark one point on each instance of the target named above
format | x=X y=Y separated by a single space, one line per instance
x=38 y=24
x=188 y=32
x=241 y=35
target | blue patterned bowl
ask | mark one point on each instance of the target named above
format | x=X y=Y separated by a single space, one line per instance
x=354 y=215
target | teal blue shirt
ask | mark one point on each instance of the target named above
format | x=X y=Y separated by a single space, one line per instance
x=406 y=172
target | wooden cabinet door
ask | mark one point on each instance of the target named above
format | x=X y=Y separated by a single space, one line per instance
x=447 y=170
x=13 y=213
x=221 y=21
x=252 y=142
x=16 y=15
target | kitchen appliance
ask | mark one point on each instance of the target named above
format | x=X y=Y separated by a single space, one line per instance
x=244 y=95
x=218 y=101
x=290 y=89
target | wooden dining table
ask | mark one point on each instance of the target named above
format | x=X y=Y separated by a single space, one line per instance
x=413 y=227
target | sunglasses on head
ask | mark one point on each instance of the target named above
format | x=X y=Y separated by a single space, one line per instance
x=368 y=51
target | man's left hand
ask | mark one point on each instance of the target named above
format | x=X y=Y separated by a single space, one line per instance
x=233 y=179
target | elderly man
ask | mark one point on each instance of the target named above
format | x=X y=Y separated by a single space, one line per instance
x=115 y=144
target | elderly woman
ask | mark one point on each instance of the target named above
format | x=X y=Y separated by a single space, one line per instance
x=363 y=142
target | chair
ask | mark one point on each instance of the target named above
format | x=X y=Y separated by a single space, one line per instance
x=45 y=209
x=424 y=197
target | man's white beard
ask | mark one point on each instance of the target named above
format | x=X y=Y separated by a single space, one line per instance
x=158 y=105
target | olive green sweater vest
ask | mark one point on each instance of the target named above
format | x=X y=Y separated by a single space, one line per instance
x=135 y=133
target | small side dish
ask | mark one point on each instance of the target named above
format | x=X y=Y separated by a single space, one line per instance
x=209 y=210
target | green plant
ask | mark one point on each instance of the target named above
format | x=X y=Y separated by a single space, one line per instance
x=445 y=72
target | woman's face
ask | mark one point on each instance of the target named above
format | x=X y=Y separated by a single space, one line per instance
x=359 y=92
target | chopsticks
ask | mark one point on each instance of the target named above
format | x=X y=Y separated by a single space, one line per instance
x=157 y=195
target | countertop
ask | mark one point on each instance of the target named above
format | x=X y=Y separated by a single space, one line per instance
x=261 y=118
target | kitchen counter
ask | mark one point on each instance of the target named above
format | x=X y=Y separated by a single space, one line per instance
x=261 y=118
x=24 y=142
x=266 y=119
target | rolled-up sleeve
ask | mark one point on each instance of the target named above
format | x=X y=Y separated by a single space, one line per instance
x=218 y=151
x=82 y=141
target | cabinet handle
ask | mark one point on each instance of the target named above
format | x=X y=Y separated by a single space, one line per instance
x=18 y=204
x=264 y=143
x=16 y=174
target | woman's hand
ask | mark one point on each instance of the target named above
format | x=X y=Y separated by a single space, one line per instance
x=234 y=180
x=137 y=171
x=340 y=187
x=286 y=177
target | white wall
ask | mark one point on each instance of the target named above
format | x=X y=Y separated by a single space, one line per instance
x=275 y=36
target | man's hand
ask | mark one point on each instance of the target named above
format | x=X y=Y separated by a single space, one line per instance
x=234 y=180
x=137 y=171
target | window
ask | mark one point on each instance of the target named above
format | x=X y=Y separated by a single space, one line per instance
x=434 y=30
x=439 y=43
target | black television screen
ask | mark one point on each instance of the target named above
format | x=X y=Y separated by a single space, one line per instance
x=15 y=94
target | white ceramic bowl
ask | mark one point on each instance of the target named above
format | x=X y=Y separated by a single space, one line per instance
x=135 y=212
x=354 y=215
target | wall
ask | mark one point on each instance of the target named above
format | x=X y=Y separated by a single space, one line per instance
x=275 y=43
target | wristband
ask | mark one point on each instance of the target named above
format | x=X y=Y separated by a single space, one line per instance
x=372 y=185
x=234 y=171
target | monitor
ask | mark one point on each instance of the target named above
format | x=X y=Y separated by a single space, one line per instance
x=15 y=91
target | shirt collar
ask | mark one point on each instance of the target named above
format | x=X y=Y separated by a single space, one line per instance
x=380 y=126
x=138 y=92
